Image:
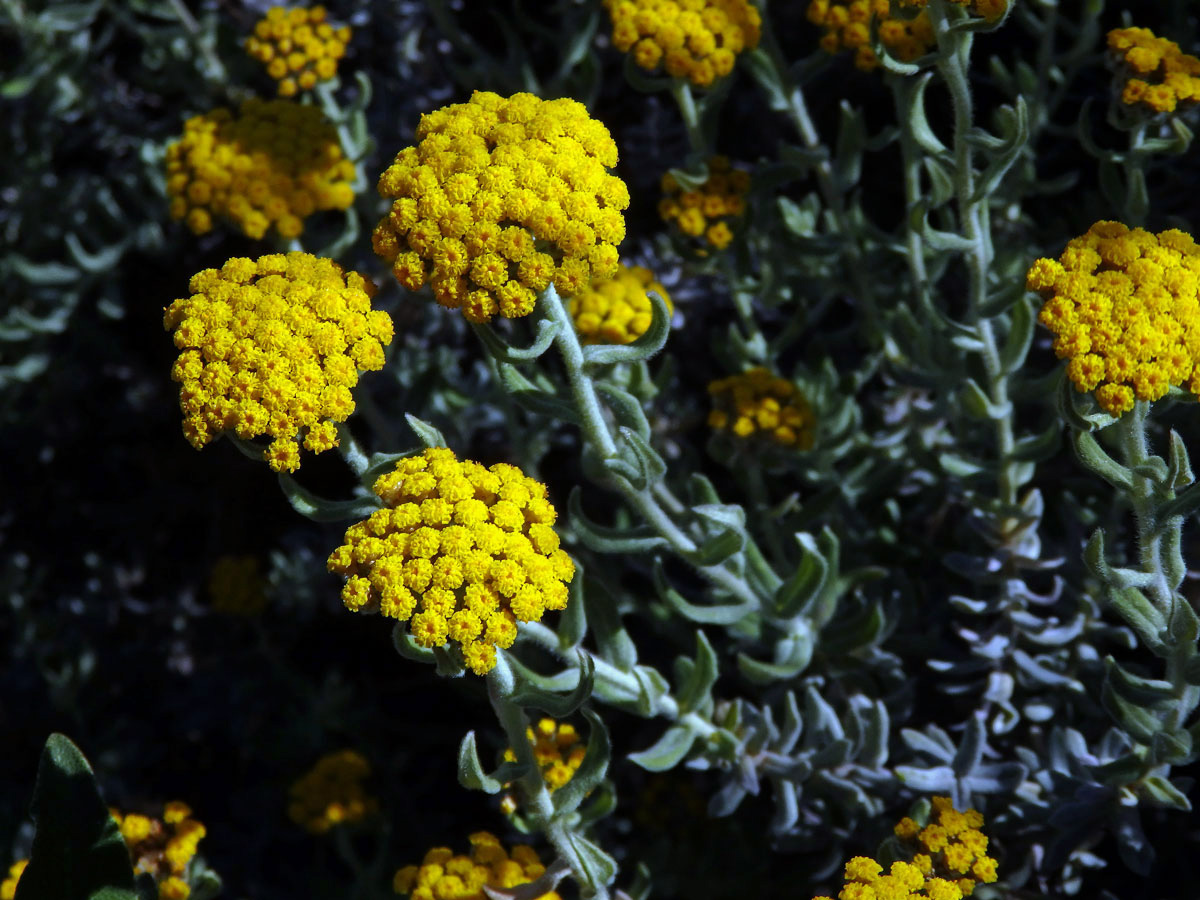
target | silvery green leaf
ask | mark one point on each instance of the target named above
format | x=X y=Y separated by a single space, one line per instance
x=533 y=398
x=803 y=587
x=939 y=779
x=1041 y=675
x=820 y=719
x=787 y=807
x=1040 y=447
x=718 y=549
x=697 y=691
x=970 y=750
x=1140 y=724
x=592 y=867
x=428 y=434
x=941 y=181
x=1173 y=748
x=319 y=509
x=933 y=741
x=470 y=770
x=792 y=656
x=649 y=462
x=800 y=221
x=847 y=155
x=1184 y=626
x=1014 y=124
x=543 y=693
x=605 y=539
x=1098 y=461
x=1179 y=466
x=644 y=347
x=547 y=330
x=572 y=624
x=995 y=778
x=407 y=646
x=1142 y=616
x=668 y=751
x=860 y=630
x=1020 y=336
x=1158 y=791
x=723 y=614
x=626 y=408
x=1185 y=505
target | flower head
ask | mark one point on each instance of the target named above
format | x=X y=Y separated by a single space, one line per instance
x=445 y=876
x=705 y=214
x=331 y=793
x=1124 y=306
x=162 y=847
x=1158 y=75
x=501 y=197
x=236 y=586
x=616 y=310
x=461 y=552
x=273 y=346
x=847 y=25
x=297 y=47
x=557 y=750
x=270 y=166
x=756 y=403
x=698 y=40
x=8 y=887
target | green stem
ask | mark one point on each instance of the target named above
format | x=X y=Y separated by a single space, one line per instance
x=682 y=92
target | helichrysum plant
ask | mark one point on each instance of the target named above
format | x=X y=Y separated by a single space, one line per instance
x=269 y=166
x=274 y=347
x=500 y=197
x=298 y=47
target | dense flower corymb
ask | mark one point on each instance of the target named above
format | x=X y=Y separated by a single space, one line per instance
x=297 y=47
x=444 y=876
x=162 y=847
x=274 y=346
x=948 y=858
x=708 y=211
x=847 y=25
x=617 y=310
x=272 y=165
x=694 y=39
x=756 y=402
x=461 y=552
x=500 y=198
x=1159 y=75
x=331 y=793
x=1123 y=305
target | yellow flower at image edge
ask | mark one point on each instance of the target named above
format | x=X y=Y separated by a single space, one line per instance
x=444 y=876
x=501 y=197
x=694 y=39
x=272 y=165
x=274 y=347
x=1160 y=75
x=461 y=552
x=617 y=310
x=847 y=25
x=756 y=403
x=8 y=887
x=1123 y=305
x=297 y=47
x=331 y=793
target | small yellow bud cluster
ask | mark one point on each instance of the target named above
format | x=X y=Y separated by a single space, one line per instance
x=847 y=25
x=274 y=346
x=162 y=847
x=557 y=750
x=617 y=310
x=694 y=39
x=444 y=876
x=331 y=793
x=236 y=586
x=461 y=551
x=988 y=9
x=707 y=211
x=8 y=887
x=942 y=855
x=500 y=198
x=1159 y=75
x=1124 y=306
x=298 y=47
x=756 y=402
x=273 y=164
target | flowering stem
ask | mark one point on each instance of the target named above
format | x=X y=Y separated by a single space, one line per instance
x=682 y=92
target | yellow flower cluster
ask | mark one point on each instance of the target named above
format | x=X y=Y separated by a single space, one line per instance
x=444 y=876
x=500 y=198
x=709 y=210
x=557 y=750
x=461 y=551
x=694 y=39
x=1123 y=305
x=331 y=793
x=617 y=310
x=273 y=164
x=756 y=402
x=274 y=346
x=943 y=854
x=988 y=9
x=298 y=47
x=8 y=887
x=162 y=847
x=1160 y=75
x=847 y=25
x=236 y=586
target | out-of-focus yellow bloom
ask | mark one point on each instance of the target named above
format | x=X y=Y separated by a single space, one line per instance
x=271 y=166
x=501 y=197
x=444 y=876
x=558 y=752
x=274 y=346
x=694 y=39
x=162 y=847
x=756 y=403
x=1159 y=76
x=847 y=25
x=331 y=793
x=236 y=586
x=461 y=552
x=8 y=887
x=706 y=213
x=298 y=47
x=617 y=310
x=1124 y=306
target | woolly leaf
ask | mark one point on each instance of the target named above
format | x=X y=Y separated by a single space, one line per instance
x=1160 y=792
x=697 y=690
x=426 y=433
x=1093 y=456
x=668 y=751
x=542 y=693
x=1142 y=616
x=470 y=770
x=592 y=867
x=591 y=771
x=603 y=539
x=319 y=509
